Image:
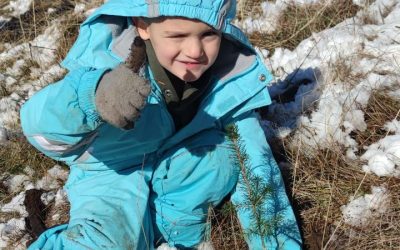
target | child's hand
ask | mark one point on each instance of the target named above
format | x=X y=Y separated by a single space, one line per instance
x=120 y=96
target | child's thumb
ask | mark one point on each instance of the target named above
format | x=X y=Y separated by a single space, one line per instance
x=137 y=55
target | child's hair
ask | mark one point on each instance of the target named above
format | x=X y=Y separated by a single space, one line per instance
x=150 y=20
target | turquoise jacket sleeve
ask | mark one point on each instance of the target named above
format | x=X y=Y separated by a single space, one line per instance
x=62 y=117
x=260 y=199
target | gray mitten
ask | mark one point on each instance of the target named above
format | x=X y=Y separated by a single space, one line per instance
x=120 y=96
x=121 y=92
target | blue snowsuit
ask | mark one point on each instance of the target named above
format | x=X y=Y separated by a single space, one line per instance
x=132 y=189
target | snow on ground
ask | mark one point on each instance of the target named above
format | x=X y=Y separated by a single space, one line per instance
x=360 y=211
x=384 y=157
x=369 y=51
x=372 y=52
x=41 y=51
x=11 y=229
x=18 y=7
x=267 y=20
x=202 y=246
x=52 y=182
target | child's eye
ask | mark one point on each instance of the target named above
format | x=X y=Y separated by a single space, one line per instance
x=210 y=33
x=177 y=36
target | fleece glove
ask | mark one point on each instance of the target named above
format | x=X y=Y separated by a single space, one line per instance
x=122 y=93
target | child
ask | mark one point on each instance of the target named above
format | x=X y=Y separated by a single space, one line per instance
x=148 y=150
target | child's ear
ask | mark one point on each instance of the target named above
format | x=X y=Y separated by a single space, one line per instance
x=142 y=28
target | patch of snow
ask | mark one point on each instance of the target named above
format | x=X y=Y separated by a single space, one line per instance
x=61 y=198
x=58 y=196
x=360 y=211
x=383 y=157
x=16 y=205
x=51 y=181
x=379 y=10
x=44 y=46
x=8 y=110
x=55 y=216
x=17 y=183
x=165 y=246
x=206 y=245
x=53 y=73
x=370 y=52
x=54 y=178
x=47 y=197
x=268 y=21
x=360 y=3
x=18 y=7
x=51 y=10
x=79 y=8
x=3 y=136
x=41 y=49
x=90 y=12
x=3 y=21
x=16 y=68
x=393 y=126
x=264 y=53
x=10 y=81
x=9 y=230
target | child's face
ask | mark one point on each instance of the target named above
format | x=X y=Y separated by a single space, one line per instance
x=186 y=48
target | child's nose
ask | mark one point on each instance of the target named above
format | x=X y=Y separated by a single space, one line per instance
x=194 y=48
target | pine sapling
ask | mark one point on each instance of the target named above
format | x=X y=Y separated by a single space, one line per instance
x=256 y=189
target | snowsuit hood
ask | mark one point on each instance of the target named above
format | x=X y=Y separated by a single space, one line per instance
x=90 y=49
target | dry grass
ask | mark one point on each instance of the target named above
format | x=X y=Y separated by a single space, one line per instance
x=18 y=153
x=33 y=22
x=38 y=18
x=28 y=26
x=248 y=8
x=62 y=213
x=3 y=91
x=320 y=184
x=381 y=233
x=342 y=71
x=380 y=109
x=298 y=23
x=71 y=27
x=15 y=156
x=226 y=232
x=325 y=181
x=372 y=18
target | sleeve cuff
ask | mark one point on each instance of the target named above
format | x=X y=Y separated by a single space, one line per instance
x=86 y=94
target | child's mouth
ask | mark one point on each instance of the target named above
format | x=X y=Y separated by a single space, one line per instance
x=192 y=65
